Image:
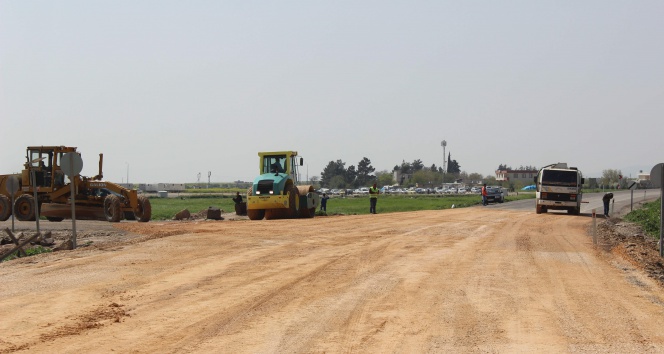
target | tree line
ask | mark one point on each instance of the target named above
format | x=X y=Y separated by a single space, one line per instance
x=337 y=175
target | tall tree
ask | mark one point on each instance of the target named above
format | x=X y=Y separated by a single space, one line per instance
x=337 y=181
x=406 y=167
x=453 y=166
x=365 y=172
x=426 y=178
x=385 y=178
x=351 y=176
x=417 y=165
x=475 y=177
x=333 y=168
x=611 y=177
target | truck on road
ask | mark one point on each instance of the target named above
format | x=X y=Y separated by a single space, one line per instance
x=558 y=187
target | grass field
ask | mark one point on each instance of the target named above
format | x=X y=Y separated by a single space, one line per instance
x=166 y=208
x=648 y=217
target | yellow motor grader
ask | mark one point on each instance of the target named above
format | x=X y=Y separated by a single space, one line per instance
x=95 y=199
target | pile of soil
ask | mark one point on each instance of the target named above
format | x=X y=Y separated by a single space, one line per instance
x=631 y=243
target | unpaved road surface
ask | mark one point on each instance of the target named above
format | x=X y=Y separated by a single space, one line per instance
x=459 y=280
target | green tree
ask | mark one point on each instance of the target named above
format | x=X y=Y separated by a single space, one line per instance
x=490 y=180
x=427 y=177
x=385 y=178
x=333 y=168
x=475 y=177
x=337 y=181
x=417 y=165
x=351 y=176
x=406 y=168
x=611 y=177
x=453 y=166
x=365 y=172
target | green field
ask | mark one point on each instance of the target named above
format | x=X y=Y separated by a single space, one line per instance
x=166 y=208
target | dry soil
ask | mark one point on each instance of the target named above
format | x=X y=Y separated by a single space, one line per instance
x=460 y=280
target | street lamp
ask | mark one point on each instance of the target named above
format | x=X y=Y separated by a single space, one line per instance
x=443 y=144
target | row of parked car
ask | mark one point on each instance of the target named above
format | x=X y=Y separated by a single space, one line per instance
x=398 y=190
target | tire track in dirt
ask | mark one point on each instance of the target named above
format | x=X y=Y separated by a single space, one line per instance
x=462 y=280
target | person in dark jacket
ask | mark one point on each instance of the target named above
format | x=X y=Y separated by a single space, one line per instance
x=323 y=202
x=607 y=199
x=238 y=198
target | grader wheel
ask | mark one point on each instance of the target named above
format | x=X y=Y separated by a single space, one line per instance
x=24 y=207
x=143 y=212
x=112 y=208
x=5 y=208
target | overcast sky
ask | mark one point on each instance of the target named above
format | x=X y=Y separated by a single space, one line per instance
x=168 y=89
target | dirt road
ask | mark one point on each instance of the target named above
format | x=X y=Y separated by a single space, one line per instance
x=461 y=280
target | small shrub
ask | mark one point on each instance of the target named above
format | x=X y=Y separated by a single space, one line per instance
x=29 y=252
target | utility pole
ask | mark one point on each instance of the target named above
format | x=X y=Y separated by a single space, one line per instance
x=209 y=174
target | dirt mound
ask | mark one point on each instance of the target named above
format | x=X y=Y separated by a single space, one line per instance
x=629 y=241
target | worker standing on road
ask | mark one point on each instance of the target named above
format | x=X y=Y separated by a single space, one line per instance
x=323 y=202
x=373 y=198
x=607 y=199
x=484 y=194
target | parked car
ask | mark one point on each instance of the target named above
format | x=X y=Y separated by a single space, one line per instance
x=495 y=194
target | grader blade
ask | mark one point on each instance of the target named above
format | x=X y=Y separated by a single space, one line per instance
x=58 y=212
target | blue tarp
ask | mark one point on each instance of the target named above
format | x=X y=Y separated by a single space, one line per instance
x=529 y=188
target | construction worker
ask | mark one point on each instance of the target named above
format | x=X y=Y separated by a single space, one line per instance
x=606 y=199
x=373 y=198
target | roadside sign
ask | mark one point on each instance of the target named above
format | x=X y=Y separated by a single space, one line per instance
x=71 y=164
x=656 y=175
x=632 y=185
x=12 y=185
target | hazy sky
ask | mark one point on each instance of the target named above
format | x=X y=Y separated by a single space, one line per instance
x=168 y=89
